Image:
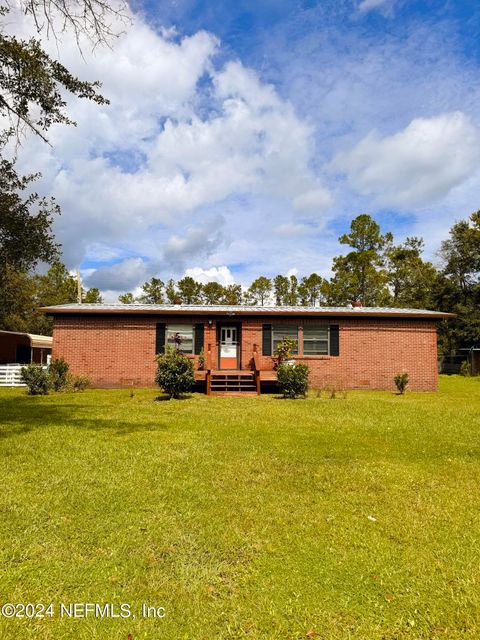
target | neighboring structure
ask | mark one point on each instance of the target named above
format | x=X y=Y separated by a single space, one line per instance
x=24 y=348
x=452 y=364
x=363 y=348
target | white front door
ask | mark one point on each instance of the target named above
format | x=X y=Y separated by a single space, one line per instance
x=228 y=348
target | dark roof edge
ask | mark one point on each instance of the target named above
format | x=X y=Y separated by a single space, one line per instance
x=357 y=313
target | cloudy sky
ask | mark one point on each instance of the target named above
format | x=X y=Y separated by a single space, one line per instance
x=243 y=136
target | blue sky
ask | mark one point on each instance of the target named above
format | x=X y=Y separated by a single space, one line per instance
x=243 y=137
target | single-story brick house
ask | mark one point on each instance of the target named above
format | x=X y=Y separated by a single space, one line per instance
x=352 y=347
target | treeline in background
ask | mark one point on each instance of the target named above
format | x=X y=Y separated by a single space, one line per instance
x=374 y=270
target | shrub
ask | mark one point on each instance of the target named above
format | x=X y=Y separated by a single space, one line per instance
x=174 y=373
x=78 y=382
x=201 y=360
x=36 y=378
x=401 y=382
x=293 y=380
x=58 y=372
x=465 y=369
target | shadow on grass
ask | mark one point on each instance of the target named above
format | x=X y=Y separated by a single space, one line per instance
x=6 y=432
x=21 y=414
x=166 y=398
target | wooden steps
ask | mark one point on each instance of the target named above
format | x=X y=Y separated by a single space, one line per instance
x=234 y=382
x=234 y=393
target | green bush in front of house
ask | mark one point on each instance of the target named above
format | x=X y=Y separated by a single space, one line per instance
x=401 y=382
x=36 y=378
x=58 y=372
x=174 y=373
x=293 y=380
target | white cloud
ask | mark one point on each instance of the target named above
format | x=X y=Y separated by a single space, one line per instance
x=222 y=275
x=101 y=252
x=255 y=143
x=314 y=200
x=195 y=241
x=188 y=136
x=416 y=166
x=369 y=5
x=167 y=147
x=122 y=276
x=288 y=229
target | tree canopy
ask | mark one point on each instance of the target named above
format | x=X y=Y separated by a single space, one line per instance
x=360 y=274
x=33 y=87
x=32 y=83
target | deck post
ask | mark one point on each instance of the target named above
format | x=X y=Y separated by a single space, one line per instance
x=256 y=369
x=208 y=378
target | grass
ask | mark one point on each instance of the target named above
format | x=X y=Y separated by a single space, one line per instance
x=353 y=518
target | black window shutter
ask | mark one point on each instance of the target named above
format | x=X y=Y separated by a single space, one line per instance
x=267 y=340
x=160 y=338
x=334 y=340
x=198 y=338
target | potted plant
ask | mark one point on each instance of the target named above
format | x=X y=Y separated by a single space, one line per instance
x=283 y=352
x=201 y=360
x=177 y=339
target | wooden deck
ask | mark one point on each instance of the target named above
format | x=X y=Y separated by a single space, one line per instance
x=234 y=381
x=268 y=375
x=265 y=374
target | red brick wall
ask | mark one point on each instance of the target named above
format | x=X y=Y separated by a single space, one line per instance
x=120 y=350
x=372 y=351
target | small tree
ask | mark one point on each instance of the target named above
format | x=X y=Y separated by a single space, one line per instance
x=401 y=382
x=36 y=378
x=293 y=380
x=58 y=372
x=259 y=291
x=174 y=373
x=283 y=350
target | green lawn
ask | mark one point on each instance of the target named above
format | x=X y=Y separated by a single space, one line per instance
x=254 y=518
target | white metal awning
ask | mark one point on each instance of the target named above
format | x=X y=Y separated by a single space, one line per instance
x=42 y=342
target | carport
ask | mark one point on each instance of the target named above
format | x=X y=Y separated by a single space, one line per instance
x=24 y=348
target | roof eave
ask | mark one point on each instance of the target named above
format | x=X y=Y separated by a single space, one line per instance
x=52 y=311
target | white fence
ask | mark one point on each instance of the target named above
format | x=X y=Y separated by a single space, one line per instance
x=10 y=375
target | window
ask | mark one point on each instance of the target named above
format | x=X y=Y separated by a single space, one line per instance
x=285 y=331
x=180 y=336
x=315 y=341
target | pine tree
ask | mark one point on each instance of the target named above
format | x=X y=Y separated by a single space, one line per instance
x=361 y=274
